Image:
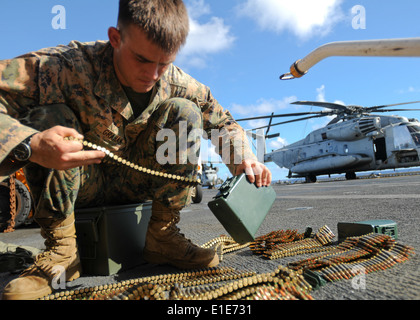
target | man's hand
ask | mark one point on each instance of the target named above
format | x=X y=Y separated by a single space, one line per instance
x=51 y=150
x=256 y=172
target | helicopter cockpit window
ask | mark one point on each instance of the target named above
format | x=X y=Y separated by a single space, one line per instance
x=415 y=133
x=402 y=138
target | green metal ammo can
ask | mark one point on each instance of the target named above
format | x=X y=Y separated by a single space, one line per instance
x=111 y=239
x=241 y=207
x=387 y=227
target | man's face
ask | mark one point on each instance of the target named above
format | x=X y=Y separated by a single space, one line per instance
x=138 y=62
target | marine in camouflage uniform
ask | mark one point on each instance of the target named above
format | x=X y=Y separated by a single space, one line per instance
x=81 y=76
x=77 y=86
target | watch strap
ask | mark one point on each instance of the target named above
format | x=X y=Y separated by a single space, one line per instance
x=26 y=142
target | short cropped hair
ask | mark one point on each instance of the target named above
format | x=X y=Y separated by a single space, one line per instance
x=165 y=22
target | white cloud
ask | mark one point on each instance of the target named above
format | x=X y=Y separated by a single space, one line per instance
x=263 y=107
x=320 y=97
x=410 y=89
x=197 y=8
x=208 y=152
x=205 y=38
x=320 y=94
x=304 y=18
x=210 y=37
x=278 y=143
x=322 y=122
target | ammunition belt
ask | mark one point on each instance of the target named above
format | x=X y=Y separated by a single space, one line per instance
x=224 y=244
x=207 y=284
x=13 y=208
x=370 y=253
x=120 y=161
x=280 y=244
x=373 y=252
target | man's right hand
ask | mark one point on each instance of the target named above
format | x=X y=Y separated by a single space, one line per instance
x=51 y=150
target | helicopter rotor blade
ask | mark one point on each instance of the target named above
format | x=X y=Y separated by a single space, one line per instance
x=336 y=109
x=329 y=105
x=283 y=115
x=290 y=121
x=390 y=105
x=395 y=110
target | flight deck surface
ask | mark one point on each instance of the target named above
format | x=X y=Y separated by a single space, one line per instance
x=298 y=206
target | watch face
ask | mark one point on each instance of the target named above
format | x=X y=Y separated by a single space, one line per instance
x=22 y=152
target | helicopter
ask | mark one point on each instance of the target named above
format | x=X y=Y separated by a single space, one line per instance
x=357 y=139
x=208 y=175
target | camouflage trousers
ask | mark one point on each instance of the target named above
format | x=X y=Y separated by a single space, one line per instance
x=57 y=193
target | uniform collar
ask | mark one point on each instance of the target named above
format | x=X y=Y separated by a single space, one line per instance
x=109 y=88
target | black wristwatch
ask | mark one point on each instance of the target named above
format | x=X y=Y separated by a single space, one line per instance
x=22 y=152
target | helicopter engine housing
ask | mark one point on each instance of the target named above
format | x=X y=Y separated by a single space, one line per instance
x=352 y=130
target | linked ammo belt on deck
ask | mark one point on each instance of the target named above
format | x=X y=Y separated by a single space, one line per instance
x=372 y=252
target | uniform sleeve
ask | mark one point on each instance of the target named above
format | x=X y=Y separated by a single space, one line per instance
x=32 y=80
x=225 y=133
x=18 y=92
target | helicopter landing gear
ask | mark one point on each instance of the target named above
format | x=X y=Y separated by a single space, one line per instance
x=197 y=194
x=350 y=176
x=310 y=179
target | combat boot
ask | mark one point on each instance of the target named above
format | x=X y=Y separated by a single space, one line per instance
x=166 y=245
x=60 y=255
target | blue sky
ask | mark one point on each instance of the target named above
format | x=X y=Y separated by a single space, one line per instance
x=239 y=48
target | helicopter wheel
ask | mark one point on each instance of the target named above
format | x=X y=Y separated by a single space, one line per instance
x=23 y=204
x=350 y=175
x=197 y=194
x=311 y=178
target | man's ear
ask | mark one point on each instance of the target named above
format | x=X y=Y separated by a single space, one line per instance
x=114 y=36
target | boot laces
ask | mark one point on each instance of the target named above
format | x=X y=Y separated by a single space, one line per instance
x=44 y=257
x=171 y=225
x=45 y=261
x=175 y=231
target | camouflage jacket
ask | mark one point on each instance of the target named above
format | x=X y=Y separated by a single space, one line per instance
x=82 y=76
